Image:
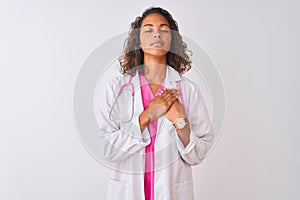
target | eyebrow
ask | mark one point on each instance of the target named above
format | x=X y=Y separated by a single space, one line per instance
x=160 y=25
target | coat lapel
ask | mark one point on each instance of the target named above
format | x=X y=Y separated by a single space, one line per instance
x=138 y=102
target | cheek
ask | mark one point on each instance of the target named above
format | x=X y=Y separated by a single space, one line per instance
x=169 y=41
x=144 y=40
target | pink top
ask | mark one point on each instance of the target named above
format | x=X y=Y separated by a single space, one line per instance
x=147 y=96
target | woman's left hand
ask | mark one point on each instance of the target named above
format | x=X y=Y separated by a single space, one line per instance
x=176 y=111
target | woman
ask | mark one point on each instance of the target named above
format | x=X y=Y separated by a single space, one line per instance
x=168 y=127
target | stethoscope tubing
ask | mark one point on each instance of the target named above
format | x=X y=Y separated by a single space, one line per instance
x=132 y=105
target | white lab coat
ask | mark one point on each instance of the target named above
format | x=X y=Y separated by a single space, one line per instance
x=123 y=144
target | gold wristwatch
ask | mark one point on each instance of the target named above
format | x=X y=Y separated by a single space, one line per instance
x=180 y=123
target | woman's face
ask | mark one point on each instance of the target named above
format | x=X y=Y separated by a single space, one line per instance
x=155 y=35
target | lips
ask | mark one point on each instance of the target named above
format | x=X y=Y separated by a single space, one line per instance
x=157 y=44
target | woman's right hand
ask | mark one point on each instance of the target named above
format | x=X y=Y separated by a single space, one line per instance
x=160 y=104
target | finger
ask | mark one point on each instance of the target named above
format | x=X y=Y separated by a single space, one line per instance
x=168 y=95
x=174 y=90
x=170 y=100
x=174 y=98
x=164 y=91
x=167 y=90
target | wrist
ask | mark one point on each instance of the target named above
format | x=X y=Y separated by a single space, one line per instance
x=144 y=119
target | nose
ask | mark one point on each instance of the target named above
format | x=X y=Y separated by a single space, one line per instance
x=157 y=34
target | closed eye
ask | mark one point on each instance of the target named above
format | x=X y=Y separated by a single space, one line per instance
x=164 y=30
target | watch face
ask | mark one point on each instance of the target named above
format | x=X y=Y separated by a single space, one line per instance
x=180 y=123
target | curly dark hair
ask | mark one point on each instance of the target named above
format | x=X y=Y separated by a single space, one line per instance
x=133 y=55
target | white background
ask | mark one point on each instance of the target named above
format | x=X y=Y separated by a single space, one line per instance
x=253 y=43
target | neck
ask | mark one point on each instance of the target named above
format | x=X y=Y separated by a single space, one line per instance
x=155 y=68
x=151 y=59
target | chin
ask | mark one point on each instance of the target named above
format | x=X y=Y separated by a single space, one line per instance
x=156 y=52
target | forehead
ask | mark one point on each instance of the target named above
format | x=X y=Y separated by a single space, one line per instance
x=155 y=19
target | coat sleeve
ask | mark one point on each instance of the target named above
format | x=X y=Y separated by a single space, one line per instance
x=201 y=135
x=118 y=141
